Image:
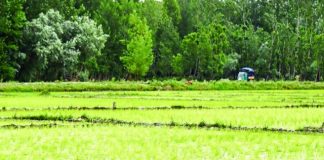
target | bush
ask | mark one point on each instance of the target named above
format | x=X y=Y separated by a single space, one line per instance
x=84 y=76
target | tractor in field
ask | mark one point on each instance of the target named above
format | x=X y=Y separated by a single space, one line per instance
x=246 y=74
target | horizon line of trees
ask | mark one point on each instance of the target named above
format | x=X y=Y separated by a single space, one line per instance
x=131 y=39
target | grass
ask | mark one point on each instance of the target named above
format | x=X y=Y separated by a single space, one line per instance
x=157 y=85
x=250 y=98
x=118 y=142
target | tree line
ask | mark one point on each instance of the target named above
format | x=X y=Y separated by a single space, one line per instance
x=148 y=39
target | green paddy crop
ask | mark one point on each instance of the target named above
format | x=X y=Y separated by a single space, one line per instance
x=233 y=98
x=142 y=120
x=119 y=142
x=292 y=118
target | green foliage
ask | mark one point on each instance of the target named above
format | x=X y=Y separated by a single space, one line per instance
x=173 y=10
x=177 y=64
x=280 y=39
x=166 y=40
x=67 y=8
x=114 y=17
x=231 y=64
x=138 y=57
x=89 y=41
x=204 y=52
x=12 y=20
x=62 y=47
x=84 y=76
x=319 y=55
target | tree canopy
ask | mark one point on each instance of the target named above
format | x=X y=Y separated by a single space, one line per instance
x=195 y=39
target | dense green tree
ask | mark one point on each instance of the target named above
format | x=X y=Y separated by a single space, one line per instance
x=173 y=10
x=12 y=20
x=230 y=66
x=138 y=57
x=188 y=23
x=177 y=64
x=67 y=8
x=89 y=7
x=114 y=17
x=319 y=55
x=203 y=52
x=166 y=39
x=188 y=38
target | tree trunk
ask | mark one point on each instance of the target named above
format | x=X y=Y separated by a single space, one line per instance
x=318 y=76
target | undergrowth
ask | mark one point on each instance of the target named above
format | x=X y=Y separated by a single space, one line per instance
x=46 y=87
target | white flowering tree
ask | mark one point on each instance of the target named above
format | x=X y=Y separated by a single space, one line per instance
x=59 y=48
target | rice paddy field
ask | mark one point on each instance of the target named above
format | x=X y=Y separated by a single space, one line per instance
x=161 y=124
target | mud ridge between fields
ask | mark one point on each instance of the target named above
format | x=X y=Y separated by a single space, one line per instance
x=176 y=107
x=50 y=125
x=93 y=121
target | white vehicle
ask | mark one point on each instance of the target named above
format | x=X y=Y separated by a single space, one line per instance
x=246 y=74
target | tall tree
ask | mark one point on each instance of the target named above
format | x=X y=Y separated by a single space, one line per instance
x=67 y=8
x=12 y=21
x=165 y=37
x=138 y=56
x=113 y=16
x=319 y=56
x=203 y=52
x=172 y=8
x=60 y=48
